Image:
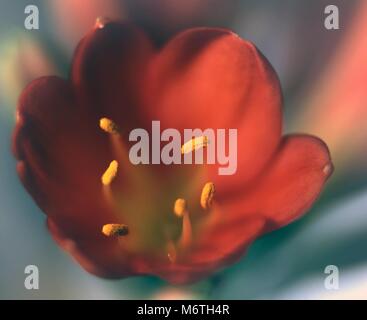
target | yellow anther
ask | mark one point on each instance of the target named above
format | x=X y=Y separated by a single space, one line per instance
x=108 y=126
x=195 y=144
x=110 y=173
x=180 y=207
x=207 y=195
x=115 y=230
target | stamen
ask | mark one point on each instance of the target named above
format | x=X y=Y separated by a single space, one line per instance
x=186 y=235
x=115 y=230
x=110 y=173
x=108 y=126
x=207 y=195
x=180 y=207
x=195 y=144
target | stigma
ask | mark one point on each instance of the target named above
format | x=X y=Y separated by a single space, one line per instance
x=115 y=230
x=110 y=173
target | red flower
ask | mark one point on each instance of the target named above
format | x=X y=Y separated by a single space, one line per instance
x=203 y=78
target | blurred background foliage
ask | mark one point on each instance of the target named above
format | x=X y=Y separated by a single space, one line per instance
x=324 y=79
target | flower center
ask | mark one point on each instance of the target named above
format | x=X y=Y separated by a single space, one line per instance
x=166 y=227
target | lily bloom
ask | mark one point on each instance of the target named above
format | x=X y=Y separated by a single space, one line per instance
x=178 y=222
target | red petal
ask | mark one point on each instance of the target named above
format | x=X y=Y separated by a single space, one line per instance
x=290 y=185
x=62 y=154
x=107 y=71
x=286 y=190
x=211 y=78
x=63 y=151
x=97 y=256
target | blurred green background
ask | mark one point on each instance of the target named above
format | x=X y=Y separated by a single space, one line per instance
x=324 y=79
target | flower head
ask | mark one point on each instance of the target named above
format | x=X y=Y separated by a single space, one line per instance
x=179 y=222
